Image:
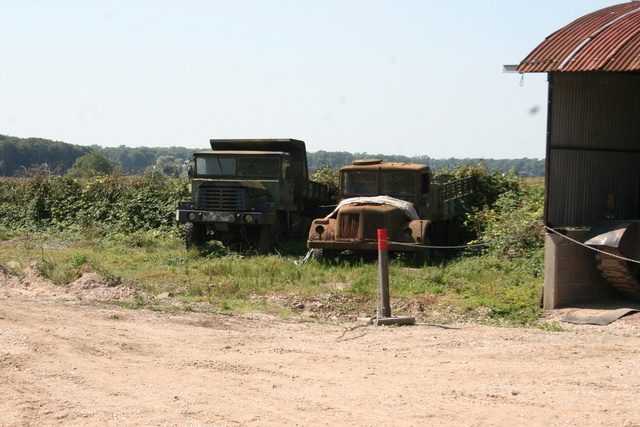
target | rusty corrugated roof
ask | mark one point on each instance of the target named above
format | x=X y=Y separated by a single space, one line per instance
x=605 y=40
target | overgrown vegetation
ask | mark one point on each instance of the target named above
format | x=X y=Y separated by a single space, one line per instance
x=506 y=213
x=100 y=204
x=124 y=229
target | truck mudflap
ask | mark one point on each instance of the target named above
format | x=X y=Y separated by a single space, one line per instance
x=619 y=243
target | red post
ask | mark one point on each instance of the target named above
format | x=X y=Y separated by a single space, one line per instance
x=382 y=239
x=383 y=273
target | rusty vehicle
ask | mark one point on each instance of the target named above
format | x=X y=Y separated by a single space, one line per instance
x=250 y=194
x=416 y=209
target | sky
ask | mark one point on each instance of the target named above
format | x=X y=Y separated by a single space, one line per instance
x=404 y=77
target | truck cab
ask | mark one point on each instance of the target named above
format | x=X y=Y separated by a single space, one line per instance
x=366 y=178
x=248 y=193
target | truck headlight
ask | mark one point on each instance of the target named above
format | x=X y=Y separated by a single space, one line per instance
x=191 y=216
x=248 y=218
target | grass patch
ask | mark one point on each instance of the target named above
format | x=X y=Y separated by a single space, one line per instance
x=487 y=289
x=59 y=271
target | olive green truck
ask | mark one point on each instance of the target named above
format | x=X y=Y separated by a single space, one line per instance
x=250 y=194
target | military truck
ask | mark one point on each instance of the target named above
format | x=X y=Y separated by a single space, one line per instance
x=250 y=194
x=405 y=199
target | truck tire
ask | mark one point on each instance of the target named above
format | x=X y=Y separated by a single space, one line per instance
x=270 y=238
x=422 y=257
x=318 y=254
x=621 y=274
x=194 y=234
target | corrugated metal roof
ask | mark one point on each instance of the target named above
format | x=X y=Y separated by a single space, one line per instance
x=605 y=40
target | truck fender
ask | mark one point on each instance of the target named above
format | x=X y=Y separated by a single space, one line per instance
x=416 y=231
x=611 y=233
x=323 y=229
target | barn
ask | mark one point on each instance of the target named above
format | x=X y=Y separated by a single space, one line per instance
x=592 y=179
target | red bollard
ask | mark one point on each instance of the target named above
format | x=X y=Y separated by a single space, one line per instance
x=383 y=273
x=385 y=317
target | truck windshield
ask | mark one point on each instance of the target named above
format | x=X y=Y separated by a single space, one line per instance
x=360 y=184
x=240 y=166
x=398 y=184
x=395 y=184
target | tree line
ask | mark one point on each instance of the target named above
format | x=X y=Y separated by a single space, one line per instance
x=20 y=154
x=17 y=154
x=526 y=167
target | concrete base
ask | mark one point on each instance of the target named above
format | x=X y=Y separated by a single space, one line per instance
x=394 y=320
x=570 y=273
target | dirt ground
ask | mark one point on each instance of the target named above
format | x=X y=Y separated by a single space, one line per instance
x=66 y=359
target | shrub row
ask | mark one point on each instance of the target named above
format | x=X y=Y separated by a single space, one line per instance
x=114 y=203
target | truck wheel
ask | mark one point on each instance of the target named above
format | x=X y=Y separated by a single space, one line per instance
x=318 y=254
x=421 y=258
x=270 y=237
x=194 y=234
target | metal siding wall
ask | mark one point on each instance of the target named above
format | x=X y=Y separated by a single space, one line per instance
x=582 y=183
x=593 y=147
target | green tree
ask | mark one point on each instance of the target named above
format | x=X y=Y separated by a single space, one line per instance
x=169 y=166
x=91 y=163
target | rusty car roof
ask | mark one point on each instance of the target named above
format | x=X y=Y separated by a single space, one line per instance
x=387 y=166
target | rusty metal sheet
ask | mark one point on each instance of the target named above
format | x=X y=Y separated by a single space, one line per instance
x=600 y=317
x=607 y=233
x=606 y=40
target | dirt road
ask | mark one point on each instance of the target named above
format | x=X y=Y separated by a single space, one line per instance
x=67 y=360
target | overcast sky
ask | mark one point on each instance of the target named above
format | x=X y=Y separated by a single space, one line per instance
x=411 y=77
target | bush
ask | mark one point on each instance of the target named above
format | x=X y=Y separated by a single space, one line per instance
x=513 y=225
x=489 y=184
x=505 y=211
x=328 y=176
x=110 y=203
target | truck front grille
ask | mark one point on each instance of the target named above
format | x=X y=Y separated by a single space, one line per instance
x=220 y=198
x=371 y=225
x=350 y=225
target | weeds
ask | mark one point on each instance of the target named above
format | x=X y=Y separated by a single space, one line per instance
x=488 y=288
x=550 y=326
x=59 y=272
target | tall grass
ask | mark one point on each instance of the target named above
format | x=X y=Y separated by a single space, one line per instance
x=486 y=288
